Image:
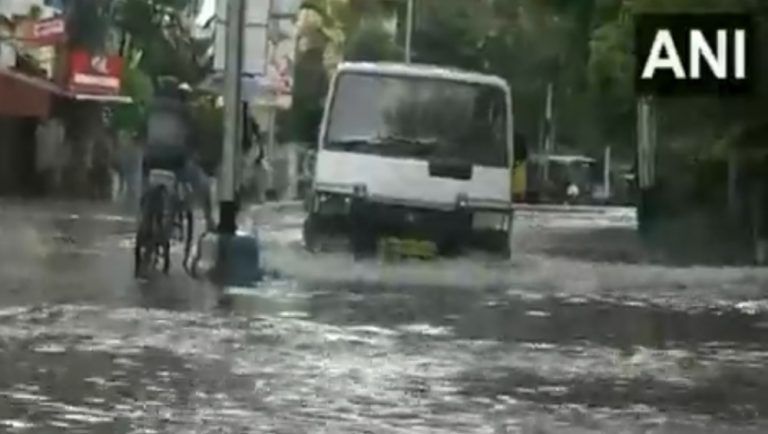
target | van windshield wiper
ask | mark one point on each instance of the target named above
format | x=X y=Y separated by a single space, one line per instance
x=387 y=144
x=407 y=140
x=354 y=142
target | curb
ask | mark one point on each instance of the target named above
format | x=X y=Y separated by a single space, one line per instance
x=297 y=205
x=564 y=209
x=292 y=205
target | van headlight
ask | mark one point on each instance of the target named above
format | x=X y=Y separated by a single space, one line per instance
x=462 y=201
x=333 y=204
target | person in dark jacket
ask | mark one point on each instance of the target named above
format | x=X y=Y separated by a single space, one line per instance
x=169 y=143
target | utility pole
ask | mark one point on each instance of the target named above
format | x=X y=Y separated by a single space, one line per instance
x=549 y=132
x=646 y=165
x=409 y=31
x=607 y=172
x=646 y=143
x=232 y=117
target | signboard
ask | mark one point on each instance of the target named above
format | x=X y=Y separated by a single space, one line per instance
x=37 y=33
x=269 y=49
x=49 y=32
x=94 y=74
x=280 y=62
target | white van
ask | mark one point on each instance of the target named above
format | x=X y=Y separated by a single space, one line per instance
x=413 y=153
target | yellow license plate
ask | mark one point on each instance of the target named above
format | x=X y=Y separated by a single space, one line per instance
x=408 y=247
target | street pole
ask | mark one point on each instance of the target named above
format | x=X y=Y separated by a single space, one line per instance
x=224 y=256
x=232 y=116
x=409 y=32
x=646 y=141
x=646 y=165
x=549 y=130
x=607 y=172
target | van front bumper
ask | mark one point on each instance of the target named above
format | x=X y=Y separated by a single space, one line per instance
x=407 y=220
x=359 y=193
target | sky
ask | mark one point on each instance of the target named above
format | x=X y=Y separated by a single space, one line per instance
x=206 y=11
x=17 y=6
x=208 y=8
x=21 y=7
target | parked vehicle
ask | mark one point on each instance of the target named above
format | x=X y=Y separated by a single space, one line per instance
x=571 y=179
x=413 y=157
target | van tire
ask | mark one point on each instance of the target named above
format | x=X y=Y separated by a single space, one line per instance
x=498 y=243
x=363 y=243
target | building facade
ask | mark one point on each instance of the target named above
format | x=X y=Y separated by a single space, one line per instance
x=46 y=81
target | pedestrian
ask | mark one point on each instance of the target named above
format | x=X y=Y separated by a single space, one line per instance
x=49 y=138
x=123 y=162
x=130 y=169
x=100 y=169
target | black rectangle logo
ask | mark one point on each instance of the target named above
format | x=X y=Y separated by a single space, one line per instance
x=694 y=54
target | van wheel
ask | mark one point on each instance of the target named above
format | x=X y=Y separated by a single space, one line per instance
x=498 y=243
x=362 y=241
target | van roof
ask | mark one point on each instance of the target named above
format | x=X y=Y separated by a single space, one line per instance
x=423 y=70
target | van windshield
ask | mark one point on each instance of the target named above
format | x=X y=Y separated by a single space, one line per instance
x=423 y=118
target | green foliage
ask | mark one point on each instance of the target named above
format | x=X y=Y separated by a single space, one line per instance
x=330 y=31
x=584 y=48
x=209 y=122
x=372 y=43
x=156 y=29
x=138 y=86
x=696 y=127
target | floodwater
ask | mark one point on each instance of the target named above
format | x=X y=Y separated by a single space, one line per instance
x=576 y=334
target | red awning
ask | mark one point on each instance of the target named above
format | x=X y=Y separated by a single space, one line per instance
x=25 y=96
x=112 y=99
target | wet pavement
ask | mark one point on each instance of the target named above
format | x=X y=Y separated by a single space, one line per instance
x=577 y=334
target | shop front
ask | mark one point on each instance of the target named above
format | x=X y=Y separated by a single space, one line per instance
x=29 y=104
x=24 y=101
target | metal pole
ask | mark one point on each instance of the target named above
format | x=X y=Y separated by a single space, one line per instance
x=271 y=142
x=646 y=144
x=607 y=172
x=232 y=116
x=409 y=31
x=549 y=130
x=242 y=133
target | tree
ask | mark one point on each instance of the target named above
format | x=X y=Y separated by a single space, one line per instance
x=529 y=43
x=691 y=126
x=159 y=30
x=330 y=31
x=138 y=85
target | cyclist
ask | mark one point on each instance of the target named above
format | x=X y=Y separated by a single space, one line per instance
x=169 y=135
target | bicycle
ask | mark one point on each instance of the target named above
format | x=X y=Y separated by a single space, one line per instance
x=165 y=215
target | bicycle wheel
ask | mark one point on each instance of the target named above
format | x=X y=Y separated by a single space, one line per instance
x=145 y=253
x=151 y=235
x=189 y=233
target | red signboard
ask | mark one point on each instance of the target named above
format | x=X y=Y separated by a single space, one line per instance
x=49 y=32
x=94 y=74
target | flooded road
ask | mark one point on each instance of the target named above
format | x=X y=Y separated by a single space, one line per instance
x=577 y=335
